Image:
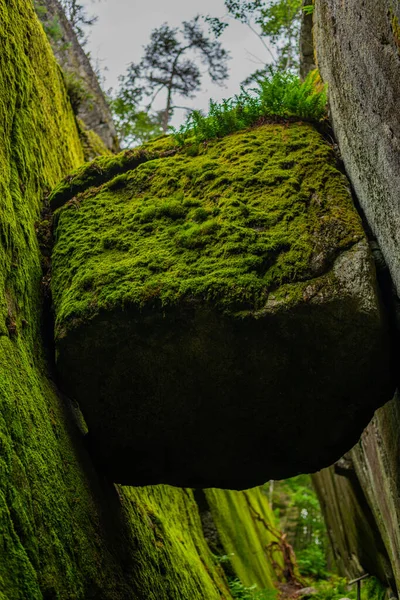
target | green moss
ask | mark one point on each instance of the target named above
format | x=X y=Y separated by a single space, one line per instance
x=248 y=219
x=104 y=168
x=244 y=538
x=394 y=21
x=168 y=520
x=92 y=143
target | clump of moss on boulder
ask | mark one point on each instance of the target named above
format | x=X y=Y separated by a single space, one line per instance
x=216 y=312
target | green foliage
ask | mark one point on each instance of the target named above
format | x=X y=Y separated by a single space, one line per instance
x=277 y=21
x=242 y=592
x=279 y=95
x=133 y=127
x=297 y=508
x=169 y=66
x=312 y=561
x=336 y=588
x=308 y=9
x=51 y=27
x=222 y=559
x=76 y=89
x=333 y=588
x=372 y=589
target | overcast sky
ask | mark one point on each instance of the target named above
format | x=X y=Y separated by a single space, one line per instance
x=124 y=26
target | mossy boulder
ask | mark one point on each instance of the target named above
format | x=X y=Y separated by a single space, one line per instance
x=216 y=309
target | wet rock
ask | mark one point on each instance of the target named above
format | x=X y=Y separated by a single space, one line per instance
x=306 y=592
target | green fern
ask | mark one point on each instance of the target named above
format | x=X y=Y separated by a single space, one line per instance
x=309 y=9
x=282 y=94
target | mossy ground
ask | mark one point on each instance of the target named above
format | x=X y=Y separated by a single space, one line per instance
x=65 y=533
x=229 y=222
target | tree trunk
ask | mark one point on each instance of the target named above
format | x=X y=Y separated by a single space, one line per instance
x=165 y=117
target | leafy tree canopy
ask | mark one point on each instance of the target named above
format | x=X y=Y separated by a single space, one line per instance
x=77 y=15
x=277 y=25
x=171 y=65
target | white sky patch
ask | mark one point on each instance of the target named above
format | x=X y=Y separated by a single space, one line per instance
x=124 y=27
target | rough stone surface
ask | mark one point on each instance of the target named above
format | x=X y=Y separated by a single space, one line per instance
x=355 y=539
x=376 y=462
x=221 y=375
x=81 y=80
x=360 y=500
x=357 y=47
x=307 y=61
x=358 y=54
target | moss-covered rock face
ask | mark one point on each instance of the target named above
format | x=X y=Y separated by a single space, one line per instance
x=216 y=313
x=244 y=524
x=85 y=93
x=65 y=533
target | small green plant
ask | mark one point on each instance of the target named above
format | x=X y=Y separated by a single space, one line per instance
x=76 y=90
x=281 y=95
x=333 y=588
x=52 y=26
x=336 y=588
x=241 y=592
x=372 y=589
x=221 y=560
x=312 y=562
x=309 y=9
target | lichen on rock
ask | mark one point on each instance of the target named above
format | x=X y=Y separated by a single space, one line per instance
x=213 y=302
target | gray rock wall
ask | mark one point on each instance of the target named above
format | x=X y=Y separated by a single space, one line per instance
x=356 y=541
x=357 y=48
x=376 y=462
x=357 y=45
x=359 y=496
